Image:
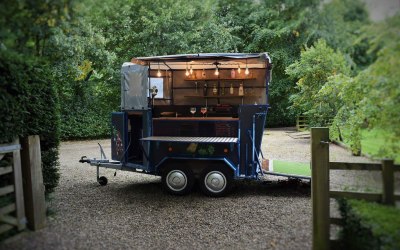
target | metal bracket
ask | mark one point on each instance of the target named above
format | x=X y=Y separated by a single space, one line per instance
x=102 y=154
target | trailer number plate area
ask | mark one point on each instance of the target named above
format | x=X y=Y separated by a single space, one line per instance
x=192 y=139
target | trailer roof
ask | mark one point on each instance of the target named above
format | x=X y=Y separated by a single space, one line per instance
x=205 y=61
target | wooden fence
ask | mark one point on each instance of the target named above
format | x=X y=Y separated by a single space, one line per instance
x=7 y=220
x=321 y=194
x=301 y=123
x=28 y=207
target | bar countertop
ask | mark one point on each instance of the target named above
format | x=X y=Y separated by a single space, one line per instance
x=196 y=119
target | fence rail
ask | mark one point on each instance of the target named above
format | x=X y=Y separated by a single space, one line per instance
x=28 y=207
x=321 y=194
x=12 y=215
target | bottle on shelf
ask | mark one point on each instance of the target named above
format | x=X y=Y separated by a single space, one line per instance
x=223 y=88
x=233 y=73
x=215 y=90
x=205 y=89
x=241 y=92
x=231 y=89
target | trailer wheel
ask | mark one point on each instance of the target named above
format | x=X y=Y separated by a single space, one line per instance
x=102 y=181
x=177 y=180
x=215 y=182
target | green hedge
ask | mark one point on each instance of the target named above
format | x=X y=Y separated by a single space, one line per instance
x=85 y=121
x=369 y=225
x=29 y=106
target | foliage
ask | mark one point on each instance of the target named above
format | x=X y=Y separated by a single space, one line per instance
x=316 y=88
x=375 y=142
x=281 y=28
x=339 y=23
x=372 y=98
x=369 y=225
x=27 y=95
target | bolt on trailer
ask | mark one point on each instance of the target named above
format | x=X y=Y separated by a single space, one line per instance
x=188 y=117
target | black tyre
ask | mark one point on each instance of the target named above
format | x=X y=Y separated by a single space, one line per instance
x=177 y=180
x=216 y=181
x=102 y=181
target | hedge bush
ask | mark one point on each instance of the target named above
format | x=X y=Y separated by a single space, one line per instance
x=369 y=225
x=29 y=106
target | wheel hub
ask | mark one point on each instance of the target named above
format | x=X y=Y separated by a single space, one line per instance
x=215 y=181
x=176 y=180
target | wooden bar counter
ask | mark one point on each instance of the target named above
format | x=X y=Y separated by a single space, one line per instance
x=196 y=126
x=195 y=119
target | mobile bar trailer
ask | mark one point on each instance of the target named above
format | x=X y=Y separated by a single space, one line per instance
x=160 y=130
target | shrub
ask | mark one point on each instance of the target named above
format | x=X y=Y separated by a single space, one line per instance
x=29 y=106
x=369 y=225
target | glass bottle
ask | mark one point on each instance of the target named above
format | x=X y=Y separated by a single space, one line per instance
x=215 y=90
x=231 y=89
x=241 y=92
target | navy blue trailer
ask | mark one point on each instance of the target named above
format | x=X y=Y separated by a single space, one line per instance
x=158 y=131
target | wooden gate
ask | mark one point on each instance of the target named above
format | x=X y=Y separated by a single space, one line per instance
x=12 y=214
x=22 y=193
x=320 y=193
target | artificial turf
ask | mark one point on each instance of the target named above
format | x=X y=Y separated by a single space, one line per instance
x=292 y=168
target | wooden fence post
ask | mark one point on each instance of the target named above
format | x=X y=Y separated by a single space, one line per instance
x=388 y=182
x=320 y=187
x=35 y=205
x=18 y=189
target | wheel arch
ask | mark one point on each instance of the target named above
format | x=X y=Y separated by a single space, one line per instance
x=197 y=164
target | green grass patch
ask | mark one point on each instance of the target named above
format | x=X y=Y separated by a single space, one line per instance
x=293 y=168
x=377 y=143
x=369 y=225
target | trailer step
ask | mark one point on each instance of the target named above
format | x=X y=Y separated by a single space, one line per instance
x=301 y=170
x=192 y=139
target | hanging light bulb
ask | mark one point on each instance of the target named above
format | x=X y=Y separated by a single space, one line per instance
x=187 y=71
x=239 y=68
x=191 y=69
x=246 y=72
x=159 y=72
x=216 y=70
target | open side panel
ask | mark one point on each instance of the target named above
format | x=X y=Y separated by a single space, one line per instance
x=252 y=121
x=134 y=86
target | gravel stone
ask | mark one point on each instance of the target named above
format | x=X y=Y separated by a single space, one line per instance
x=132 y=211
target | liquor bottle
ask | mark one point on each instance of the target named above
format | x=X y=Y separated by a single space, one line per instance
x=241 y=92
x=215 y=90
x=205 y=89
x=223 y=89
x=231 y=89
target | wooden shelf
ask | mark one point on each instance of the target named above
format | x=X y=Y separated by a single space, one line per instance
x=226 y=87
x=217 y=79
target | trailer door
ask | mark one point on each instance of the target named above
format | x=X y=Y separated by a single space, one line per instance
x=118 y=136
x=134 y=86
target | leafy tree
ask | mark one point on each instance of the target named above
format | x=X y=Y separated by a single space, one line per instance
x=372 y=98
x=339 y=23
x=316 y=65
x=281 y=28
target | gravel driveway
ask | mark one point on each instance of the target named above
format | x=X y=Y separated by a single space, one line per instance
x=132 y=212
